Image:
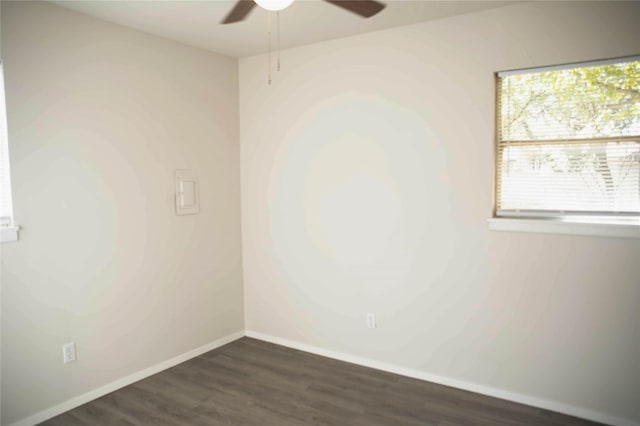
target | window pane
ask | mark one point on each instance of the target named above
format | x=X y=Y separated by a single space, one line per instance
x=6 y=205
x=555 y=176
x=569 y=140
x=577 y=103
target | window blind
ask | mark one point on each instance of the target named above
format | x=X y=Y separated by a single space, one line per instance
x=569 y=140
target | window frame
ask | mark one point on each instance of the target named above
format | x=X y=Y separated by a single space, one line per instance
x=590 y=223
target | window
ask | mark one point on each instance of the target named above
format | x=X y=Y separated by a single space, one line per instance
x=8 y=229
x=569 y=141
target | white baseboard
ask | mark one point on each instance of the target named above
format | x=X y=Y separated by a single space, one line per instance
x=125 y=381
x=558 y=407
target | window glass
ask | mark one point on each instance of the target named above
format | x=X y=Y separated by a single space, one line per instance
x=569 y=141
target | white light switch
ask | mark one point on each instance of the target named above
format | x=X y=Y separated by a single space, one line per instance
x=69 y=352
x=187 y=199
x=371 y=320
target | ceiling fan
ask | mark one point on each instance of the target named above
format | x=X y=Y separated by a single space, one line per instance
x=364 y=8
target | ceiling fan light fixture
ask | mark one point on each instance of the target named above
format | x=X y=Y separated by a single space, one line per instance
x=274 y=5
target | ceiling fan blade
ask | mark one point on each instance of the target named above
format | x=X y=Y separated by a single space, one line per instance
x=239 y=11
x=364 y=8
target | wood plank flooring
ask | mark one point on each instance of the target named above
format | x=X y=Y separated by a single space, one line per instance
x=250 y=382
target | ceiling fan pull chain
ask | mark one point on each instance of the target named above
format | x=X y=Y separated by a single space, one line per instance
x=278 y=23
x=269 y=41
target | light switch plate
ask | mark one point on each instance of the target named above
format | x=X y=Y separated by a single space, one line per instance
x=69 y=352
x=187 y=196
x=371 y=320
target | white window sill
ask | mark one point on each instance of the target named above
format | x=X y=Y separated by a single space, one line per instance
x=9 y=233
x=621 y=229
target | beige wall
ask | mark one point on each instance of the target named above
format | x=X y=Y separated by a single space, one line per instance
x=366 y=185
x=99 y=118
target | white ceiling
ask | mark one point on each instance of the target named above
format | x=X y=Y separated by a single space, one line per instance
x=306 y=21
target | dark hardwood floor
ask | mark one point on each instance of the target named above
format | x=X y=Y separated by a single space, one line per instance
x=250 y=382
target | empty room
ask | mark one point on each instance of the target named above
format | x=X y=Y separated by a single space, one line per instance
x=320 y=212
